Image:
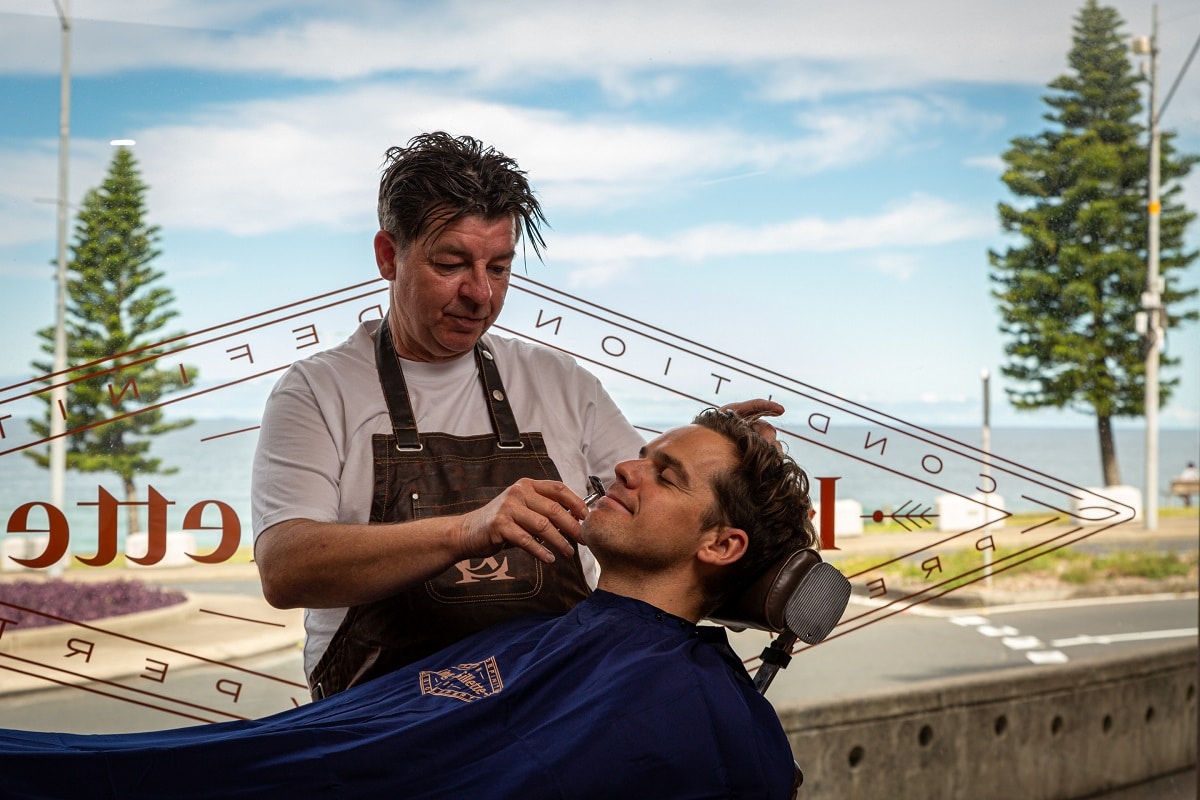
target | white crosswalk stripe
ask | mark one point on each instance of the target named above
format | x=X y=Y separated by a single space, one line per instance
x=1022 y=642
x=996 y=631
x=1011 y=638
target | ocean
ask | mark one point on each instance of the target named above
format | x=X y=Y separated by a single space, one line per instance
x=213 y=459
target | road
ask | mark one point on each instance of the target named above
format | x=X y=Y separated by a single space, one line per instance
x=926 y=644
x=870 y=651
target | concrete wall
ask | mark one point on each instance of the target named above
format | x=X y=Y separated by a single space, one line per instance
x=1056 y=732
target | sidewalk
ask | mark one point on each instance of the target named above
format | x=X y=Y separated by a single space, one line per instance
x=1171 y=529
x=1017 y=543
x=214 y=629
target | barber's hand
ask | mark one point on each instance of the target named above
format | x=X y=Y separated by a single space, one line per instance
x=540 y=517
x=754 y=410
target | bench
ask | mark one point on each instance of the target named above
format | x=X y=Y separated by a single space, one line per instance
x=1184 y=489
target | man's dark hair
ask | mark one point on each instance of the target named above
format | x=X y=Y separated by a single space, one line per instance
x=765 y=494
x=437 y=179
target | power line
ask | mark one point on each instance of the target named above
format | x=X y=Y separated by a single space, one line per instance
x=1187 y=63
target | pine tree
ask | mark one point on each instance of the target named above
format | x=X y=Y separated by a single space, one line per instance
x=115 y=311
x=1069 y=293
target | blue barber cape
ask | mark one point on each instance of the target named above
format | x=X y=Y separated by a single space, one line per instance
x=614 y=699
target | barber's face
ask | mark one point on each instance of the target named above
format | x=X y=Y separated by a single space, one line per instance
x=653 y=512
x=446 y=291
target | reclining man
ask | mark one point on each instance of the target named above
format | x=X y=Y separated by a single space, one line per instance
x=625 y=695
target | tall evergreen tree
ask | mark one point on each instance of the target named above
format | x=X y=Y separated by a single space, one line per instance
x=116 y=311
x=1068 y=294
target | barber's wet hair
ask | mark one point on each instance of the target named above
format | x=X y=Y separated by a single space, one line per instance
x=765 y=494
x=438 y=179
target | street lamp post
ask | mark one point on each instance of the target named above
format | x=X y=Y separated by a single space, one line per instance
x=58 y=394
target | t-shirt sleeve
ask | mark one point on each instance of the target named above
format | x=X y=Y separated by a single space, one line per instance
x=296 y=464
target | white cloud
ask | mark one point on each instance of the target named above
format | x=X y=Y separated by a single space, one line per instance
x=29 y=191
x=849 y=132
x=601 y=274
x=262 y=166
x=211 y=14
x=901 y=266
x=273 y=165
x=918 y=221
x=808 y=50
x=990 y=163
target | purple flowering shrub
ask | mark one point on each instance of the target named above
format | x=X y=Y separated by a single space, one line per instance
x=78 y=601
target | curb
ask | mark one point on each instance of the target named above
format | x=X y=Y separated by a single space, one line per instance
x=985 y=598
x=13 y=639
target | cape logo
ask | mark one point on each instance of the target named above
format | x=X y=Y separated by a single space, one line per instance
x=466 y=682
x=487 y=569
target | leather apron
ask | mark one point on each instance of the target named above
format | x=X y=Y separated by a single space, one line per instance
x=433 y=475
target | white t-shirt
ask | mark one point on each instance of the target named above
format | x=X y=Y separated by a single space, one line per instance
x=314 y=456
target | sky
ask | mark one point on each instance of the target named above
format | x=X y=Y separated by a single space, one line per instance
x=809 y=187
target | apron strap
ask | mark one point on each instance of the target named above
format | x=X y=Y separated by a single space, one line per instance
x=395 y=390
x=504 y=423
x=404 y=422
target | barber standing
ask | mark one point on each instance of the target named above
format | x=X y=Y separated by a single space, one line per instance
x=418 y=482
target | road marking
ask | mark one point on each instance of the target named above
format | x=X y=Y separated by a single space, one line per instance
x=1022 y=642
x=995 y=631
x=1113 y=638
x=1032 y=646
x=1011 y=638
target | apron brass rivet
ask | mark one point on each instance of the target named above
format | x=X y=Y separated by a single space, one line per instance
x=486 y=354
x=499 y=395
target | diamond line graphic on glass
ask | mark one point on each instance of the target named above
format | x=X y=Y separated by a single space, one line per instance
x=822 y=429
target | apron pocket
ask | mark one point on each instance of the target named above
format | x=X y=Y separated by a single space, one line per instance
x=511 y=574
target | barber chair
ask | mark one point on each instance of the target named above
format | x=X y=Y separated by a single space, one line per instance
x=800 y=598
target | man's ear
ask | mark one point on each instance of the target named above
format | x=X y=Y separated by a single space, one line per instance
x=385 y=255
x=724 y=546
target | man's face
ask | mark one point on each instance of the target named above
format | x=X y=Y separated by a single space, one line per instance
x=447 y=290
x=652 y=516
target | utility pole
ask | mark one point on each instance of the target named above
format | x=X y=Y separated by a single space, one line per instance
x=1152 y=300
x=58 y=394
x=987 y=423
x=986 y=472
x=1150 y=322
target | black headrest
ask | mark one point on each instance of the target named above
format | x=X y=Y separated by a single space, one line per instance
x=800 y=594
